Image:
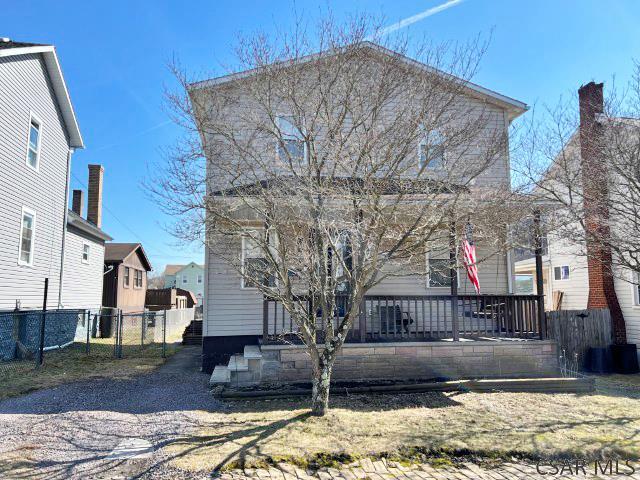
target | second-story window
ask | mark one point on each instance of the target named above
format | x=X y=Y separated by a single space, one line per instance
x=292 y=146
x=431 y=151
x=85 y=252
x=185 y=279
x=33 y=146
x=199 y=278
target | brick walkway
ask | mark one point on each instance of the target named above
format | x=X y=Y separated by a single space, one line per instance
x=383 y=470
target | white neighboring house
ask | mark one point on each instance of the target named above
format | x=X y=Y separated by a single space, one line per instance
x=38 y=135
x=188 y=277
x=83 y=274
x=569 y=277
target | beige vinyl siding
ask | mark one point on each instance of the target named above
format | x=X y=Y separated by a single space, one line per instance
x=24 y=88
x=82 y=282
x=576 y=288
x=231 y=310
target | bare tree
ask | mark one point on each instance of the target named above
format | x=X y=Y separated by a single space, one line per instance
x=338 y=170
x=597 y=202
x=156 y=280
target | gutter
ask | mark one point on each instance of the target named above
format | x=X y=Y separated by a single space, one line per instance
x=64 y=225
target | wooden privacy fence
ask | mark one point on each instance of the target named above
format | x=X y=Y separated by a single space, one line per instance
x=576 y=331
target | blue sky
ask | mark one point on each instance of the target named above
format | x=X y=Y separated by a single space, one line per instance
x=114 y=57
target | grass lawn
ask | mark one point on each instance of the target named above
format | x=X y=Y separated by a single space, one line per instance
x=487 y=424
x=72 y=364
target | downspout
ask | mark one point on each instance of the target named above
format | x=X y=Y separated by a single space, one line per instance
x=64 y=226
x=509 y=271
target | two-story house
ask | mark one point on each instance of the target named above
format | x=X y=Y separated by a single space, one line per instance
x=433 y=306
x=187 y=277
x=38 y=135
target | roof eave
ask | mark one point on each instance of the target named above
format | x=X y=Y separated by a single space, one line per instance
x=81 y=224
x=59 y=86
x=514 y=107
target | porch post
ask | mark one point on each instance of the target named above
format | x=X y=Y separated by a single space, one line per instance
x=265 y=320
x=537 y=230
x=453 y=273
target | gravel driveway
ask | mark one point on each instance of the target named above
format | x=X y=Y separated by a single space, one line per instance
x=71 y=431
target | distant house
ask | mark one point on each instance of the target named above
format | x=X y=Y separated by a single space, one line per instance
x=169 y=299
x=188 y=277
x=125 y=280
x=84 y=247
x=38 y=135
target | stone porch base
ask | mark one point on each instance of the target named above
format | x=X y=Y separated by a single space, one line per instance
x=416 y=361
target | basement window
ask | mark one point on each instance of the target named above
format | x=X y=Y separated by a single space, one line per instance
x=561 y=273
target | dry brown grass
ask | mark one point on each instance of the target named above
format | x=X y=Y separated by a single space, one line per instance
x=73 y=364
x=489 y=423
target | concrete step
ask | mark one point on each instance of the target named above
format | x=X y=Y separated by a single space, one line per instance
x=252 y=352
x=221 y=374
x=237 y=363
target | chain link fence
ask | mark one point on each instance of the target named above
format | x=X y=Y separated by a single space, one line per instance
x=28 y=338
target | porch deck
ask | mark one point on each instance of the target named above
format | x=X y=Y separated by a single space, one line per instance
x=425 y=318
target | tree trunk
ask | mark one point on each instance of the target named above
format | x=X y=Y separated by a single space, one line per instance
x=320 y=392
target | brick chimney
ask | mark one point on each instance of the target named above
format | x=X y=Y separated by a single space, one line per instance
x=602 y=293
x=77 y=201
x=94 y=206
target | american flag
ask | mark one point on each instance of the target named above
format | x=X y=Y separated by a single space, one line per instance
x=469 y=258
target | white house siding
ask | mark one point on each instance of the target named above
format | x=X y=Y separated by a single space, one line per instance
x=25 y=87
x=631 y=311
x=82 y=282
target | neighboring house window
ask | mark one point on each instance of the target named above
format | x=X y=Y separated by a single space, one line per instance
x=199 y=278
x=524 y=284
x=254 y=265
x=184 y=279
x=85 y=252
x=292 y=146
x=137 y=281
x=126 y=276
x=33 y=145
x=561 y=273
x=438 y=272
x=431 y=151
x=27 y=237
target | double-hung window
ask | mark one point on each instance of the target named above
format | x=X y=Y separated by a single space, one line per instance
x=561 y=272
x=431 y=151
x=199 y=278
x=255 y=269
x=291 y=145
x=185 y=279
x=127 y=274
x=86 y=248
x=27 y=237
x=636 y=288
x=137 y=280
x=34 y=141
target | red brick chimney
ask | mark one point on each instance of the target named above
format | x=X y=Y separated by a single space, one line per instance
x=602 y=293
x=77 y=202
x=94 y=207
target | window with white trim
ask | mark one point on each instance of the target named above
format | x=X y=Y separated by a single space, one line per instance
x=86 y=249
x=184 y=279
x=636 y=289
x=199 y=278
x=34 y=141
x=292 y=146
x=254 y=265
x=127 y=275
x=27 y=237
x=431 y=153
x=561 y=272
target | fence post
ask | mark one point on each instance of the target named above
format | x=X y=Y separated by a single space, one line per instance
x=42 y=323
x=142 y=328
x=121 y=328
x=87 y=316
x=164 y=334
